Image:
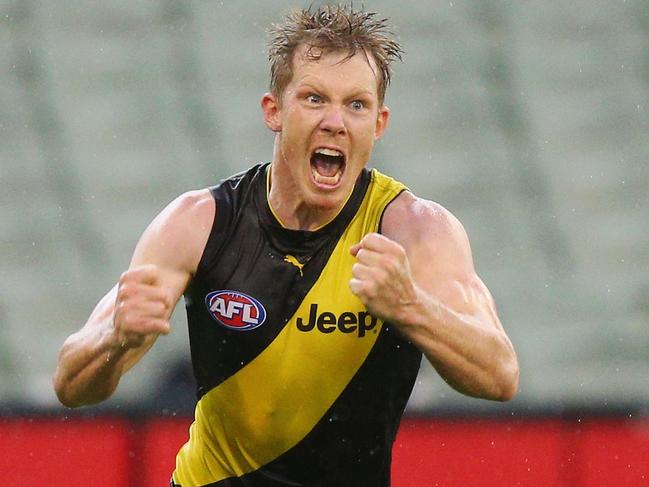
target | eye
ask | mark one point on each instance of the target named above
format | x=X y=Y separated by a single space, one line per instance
x=357 y=105
x=313 y=98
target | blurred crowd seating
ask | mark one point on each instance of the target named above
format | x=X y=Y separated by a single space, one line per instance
x=528 y=120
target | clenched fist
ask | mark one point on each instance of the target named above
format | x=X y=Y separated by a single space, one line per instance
x=381 y=277
x=142 y=307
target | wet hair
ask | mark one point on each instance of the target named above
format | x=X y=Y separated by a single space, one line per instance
x=331 y=29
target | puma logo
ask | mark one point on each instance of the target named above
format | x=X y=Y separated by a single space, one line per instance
x=291 y=259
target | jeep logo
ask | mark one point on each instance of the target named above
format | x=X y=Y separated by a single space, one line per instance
x=347 y=322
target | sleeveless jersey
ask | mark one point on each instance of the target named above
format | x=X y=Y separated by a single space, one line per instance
x=298 y=384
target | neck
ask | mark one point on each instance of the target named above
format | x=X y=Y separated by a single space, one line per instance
x=290 y=209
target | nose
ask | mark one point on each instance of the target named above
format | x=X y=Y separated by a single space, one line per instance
x=333 y=121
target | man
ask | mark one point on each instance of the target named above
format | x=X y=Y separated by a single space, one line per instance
x=312 y=286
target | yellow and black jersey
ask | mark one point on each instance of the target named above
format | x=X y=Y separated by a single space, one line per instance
x=298 y=384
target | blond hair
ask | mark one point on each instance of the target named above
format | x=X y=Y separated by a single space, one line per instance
x=331 y=29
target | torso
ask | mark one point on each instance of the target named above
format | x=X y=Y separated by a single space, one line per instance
x=297 y=382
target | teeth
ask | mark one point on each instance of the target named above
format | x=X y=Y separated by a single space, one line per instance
x=329 y=180
x=328 y=152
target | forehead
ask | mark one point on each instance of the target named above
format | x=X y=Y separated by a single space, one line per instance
x=335 y=67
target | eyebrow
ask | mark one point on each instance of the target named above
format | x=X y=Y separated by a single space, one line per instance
x=356 y=91
x=363 y=91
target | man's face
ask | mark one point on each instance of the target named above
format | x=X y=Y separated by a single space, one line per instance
x=327 y=119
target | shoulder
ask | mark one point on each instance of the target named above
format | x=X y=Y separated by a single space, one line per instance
x=189 y=214
x=193 y=207
x=425 y=227
x=178 y=234
x=409 y=216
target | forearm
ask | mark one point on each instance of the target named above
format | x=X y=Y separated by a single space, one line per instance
x=475 y=358
x=89 y=367
x=91 y=361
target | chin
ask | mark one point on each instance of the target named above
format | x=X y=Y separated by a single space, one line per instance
x=329 y=200
x=324 y=202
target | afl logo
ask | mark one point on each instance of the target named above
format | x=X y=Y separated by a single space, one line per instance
x=235 y=310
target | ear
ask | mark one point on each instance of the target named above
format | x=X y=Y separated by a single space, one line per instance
x=381 y=122
x=270 y=107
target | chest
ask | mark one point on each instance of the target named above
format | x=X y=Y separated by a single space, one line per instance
x=263 y=284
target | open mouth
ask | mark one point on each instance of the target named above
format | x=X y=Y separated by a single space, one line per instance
x=327 y=166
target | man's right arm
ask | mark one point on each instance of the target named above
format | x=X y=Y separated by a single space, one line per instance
x=129 y=318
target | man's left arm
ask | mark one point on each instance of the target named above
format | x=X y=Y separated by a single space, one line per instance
x=419 y=275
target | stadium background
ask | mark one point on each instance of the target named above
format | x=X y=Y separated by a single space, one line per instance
x=528 y=120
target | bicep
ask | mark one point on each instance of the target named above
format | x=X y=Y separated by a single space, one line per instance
x=450 y=277
x=441 y=261
x=174 y=243
x=466 y=295
x=175 y=240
